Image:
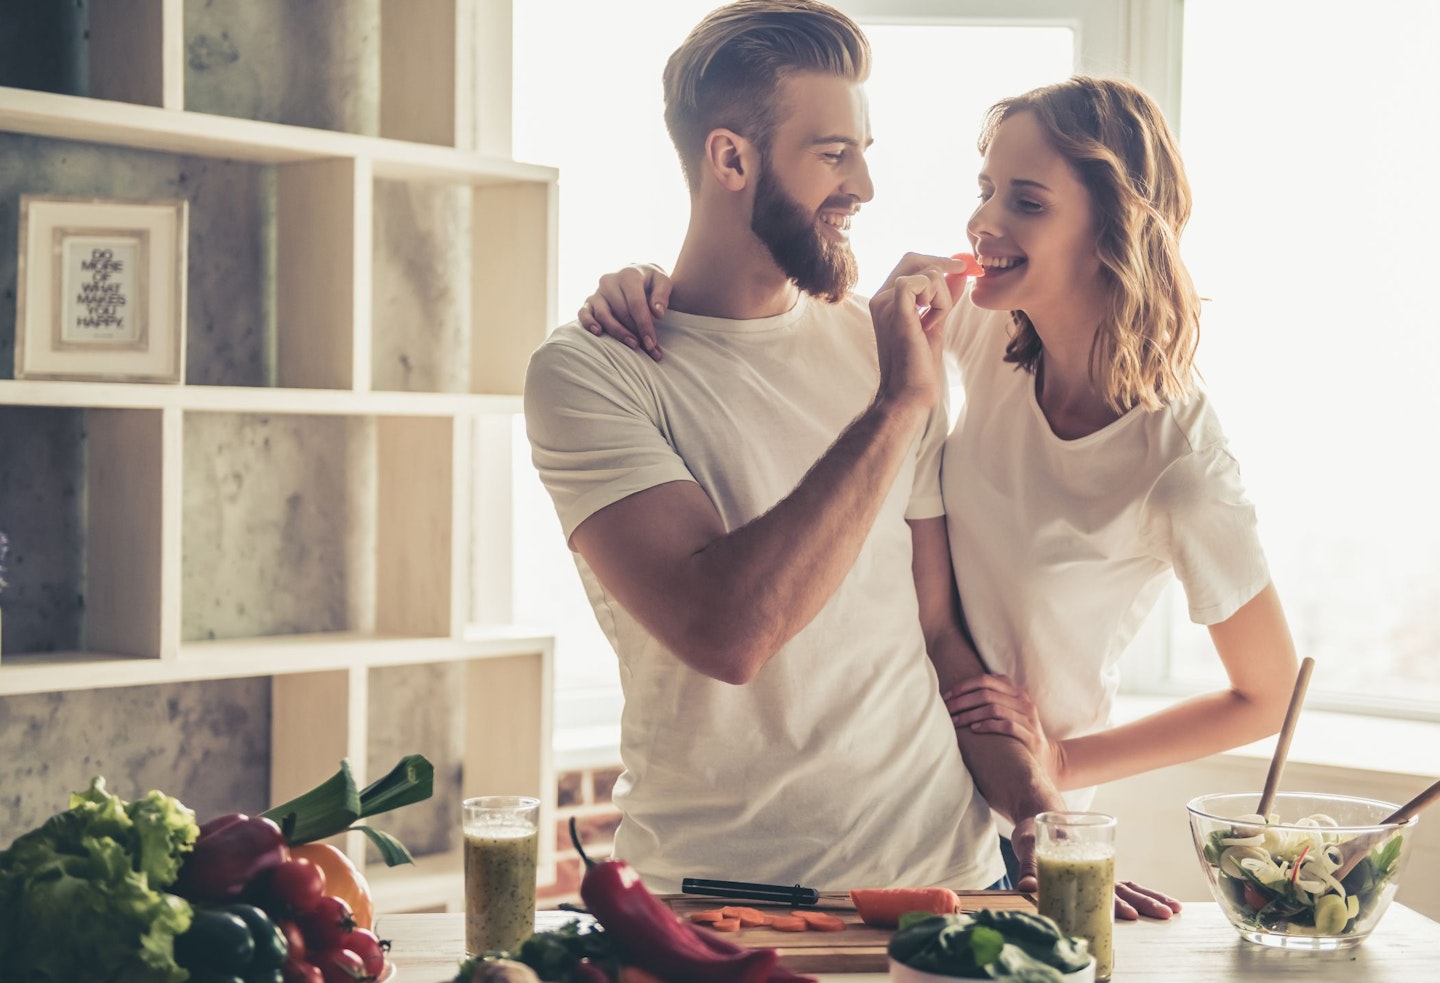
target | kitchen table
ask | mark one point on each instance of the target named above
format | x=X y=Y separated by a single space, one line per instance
x=1196 y=946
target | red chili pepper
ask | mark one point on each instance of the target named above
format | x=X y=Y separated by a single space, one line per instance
x=655 y=938
x=230 y=852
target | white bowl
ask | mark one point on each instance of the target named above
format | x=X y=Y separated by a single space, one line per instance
x=901 y=973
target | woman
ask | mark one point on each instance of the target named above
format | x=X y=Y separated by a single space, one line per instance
x=1085 y=466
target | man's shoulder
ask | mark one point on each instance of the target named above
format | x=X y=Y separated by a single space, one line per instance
x=571 y=348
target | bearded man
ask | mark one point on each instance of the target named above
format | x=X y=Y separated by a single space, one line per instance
x=757 y=515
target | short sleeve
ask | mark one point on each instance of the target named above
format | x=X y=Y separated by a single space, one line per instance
x=594 y=430
x=1209 y=531
x=925 y=500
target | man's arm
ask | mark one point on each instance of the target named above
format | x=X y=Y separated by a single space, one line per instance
x=1006 y=773
x=725 y=601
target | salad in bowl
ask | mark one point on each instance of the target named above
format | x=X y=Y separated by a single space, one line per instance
x=1318 y=872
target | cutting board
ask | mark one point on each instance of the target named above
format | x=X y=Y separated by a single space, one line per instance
x=860 y=948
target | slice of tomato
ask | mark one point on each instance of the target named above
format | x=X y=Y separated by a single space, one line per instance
x=972 y=265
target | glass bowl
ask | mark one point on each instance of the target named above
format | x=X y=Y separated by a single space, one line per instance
x=1276 y=880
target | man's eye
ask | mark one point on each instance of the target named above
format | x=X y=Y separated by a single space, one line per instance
x=835 y=156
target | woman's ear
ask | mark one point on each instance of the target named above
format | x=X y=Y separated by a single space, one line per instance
x=730 y=158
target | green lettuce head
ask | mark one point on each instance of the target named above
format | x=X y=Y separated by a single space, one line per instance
x=81 y=897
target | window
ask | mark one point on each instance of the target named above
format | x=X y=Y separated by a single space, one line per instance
x=588 y=100
x=1310 y=143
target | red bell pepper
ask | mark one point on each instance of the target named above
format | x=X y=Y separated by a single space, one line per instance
x=232 y=851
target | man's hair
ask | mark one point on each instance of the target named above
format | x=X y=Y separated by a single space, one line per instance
x=728 y=71
x=1116 y=139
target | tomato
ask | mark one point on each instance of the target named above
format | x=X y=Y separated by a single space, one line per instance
x=341 y=966
x=370 y=949
x=342 y=879
x=294 y=886
x=294 y=939
x=1254 y=898
x=300 y=971
x=326 y=925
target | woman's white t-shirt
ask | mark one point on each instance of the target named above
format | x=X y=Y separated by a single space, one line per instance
x=1062 y=547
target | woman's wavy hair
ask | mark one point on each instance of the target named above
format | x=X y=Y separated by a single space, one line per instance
x=1116 y=139
x=728 y=70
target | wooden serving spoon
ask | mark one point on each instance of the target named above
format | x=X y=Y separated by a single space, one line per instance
x=1287 y=731
x=1357 y=848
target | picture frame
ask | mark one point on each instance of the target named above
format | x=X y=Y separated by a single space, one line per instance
x=101 y=289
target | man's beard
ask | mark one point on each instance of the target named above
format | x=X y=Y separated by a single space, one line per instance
x=821 y=267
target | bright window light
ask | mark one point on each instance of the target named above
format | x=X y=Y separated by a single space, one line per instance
x=1310 y=141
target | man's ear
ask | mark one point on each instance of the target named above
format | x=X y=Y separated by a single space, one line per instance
x=731 y=159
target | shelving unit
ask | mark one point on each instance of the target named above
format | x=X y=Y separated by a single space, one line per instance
x=437 y=462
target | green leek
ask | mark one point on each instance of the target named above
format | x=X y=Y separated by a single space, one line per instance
x=335 y=804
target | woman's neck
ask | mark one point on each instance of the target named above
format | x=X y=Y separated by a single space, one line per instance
x=1064 y=387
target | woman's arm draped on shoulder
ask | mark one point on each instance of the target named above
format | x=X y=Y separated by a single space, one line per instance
x=623 y=304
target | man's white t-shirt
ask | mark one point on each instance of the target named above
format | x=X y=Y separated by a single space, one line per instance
x=836 y=766
x=1062 y=547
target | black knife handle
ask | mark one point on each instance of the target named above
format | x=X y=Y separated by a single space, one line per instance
x=773 y=893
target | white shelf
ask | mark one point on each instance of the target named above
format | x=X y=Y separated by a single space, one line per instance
x=204 y=135
x=252 y=399
x=47 y=672
x=436 y=467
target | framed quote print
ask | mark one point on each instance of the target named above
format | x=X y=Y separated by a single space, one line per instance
x=101 y=290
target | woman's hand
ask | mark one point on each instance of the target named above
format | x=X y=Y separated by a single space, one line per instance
x=1132 y=901
x=995 y=705
x=622 y=306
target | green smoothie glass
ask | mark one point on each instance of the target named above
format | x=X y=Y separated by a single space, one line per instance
x=501 y=848
x=1075 y=860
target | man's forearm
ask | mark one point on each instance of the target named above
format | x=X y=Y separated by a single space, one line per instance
x=763 y=582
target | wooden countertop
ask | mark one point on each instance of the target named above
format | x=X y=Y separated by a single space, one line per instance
x=1197 y=946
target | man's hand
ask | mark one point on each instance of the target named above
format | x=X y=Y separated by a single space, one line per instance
x=625 y=304
x=909 y=314
x=1133 y=901
x=1022 y=841
x=909 y=344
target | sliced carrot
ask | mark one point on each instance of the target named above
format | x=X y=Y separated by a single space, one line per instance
x=821 y=921
x=706 y=916
x=726 y=925
x=789 y=924
x=883 y=906
x=749 y=917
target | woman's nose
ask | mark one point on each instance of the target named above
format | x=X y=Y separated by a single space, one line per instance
x=981 y=224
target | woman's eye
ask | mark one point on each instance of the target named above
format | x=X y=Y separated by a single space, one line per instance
x=1025 y=205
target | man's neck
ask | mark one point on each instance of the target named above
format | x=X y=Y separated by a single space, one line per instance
x=722 y=277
